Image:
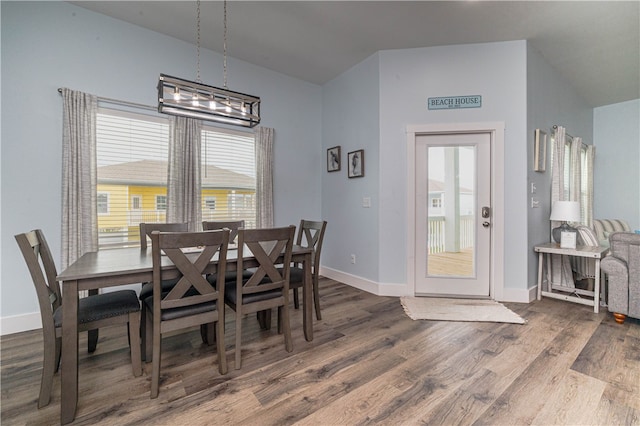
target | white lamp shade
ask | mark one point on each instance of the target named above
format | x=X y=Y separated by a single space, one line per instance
x=568 y=211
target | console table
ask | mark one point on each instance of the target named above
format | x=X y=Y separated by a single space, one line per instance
x=568 y=293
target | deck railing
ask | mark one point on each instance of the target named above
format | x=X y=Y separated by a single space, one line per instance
x=437 y=233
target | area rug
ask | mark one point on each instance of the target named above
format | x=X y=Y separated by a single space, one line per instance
x=443 y=309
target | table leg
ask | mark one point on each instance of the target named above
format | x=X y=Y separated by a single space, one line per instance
x=307 y=303
x=540 y=261
x=69 y=367
x=596 y=290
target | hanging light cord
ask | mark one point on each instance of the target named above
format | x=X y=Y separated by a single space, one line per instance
x=198 y=42
x=225 y=44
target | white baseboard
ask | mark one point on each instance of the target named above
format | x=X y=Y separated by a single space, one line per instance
x=379 y=289
x=518 y=295
x=19 y=323
x=392 y=289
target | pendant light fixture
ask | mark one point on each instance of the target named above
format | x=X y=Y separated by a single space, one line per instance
x=177 y=96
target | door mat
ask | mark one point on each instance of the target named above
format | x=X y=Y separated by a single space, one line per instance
x=445 y=309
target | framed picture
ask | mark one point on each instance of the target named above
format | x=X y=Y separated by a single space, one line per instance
x=355 y=163
x=333 y=159
x=540 y=151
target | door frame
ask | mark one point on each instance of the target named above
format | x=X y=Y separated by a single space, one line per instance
x=496 y=132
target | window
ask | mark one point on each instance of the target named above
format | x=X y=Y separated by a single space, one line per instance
x=132 y=158
x=436 y=203
x=210 y=203
x=585 y=172
x=103 y=203
x=161 y=202
x=228 y=175
x=136 y=202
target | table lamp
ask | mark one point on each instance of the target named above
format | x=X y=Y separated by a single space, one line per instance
x=564 y=211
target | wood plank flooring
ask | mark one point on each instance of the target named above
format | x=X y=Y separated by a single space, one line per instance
x=368 y=364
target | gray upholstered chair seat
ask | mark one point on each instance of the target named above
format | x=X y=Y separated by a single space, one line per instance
x=185 y=311
x=230 y=276
x=231 y=296
x=147 y=288
x=101 y=306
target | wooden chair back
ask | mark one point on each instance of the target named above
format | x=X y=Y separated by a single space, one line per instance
x=192 y=287
x=42 y=268
x=271 y=247
x=232 y=225
x=311 y=234
x=147 y=228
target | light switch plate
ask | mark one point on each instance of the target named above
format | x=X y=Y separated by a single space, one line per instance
x=366 y=202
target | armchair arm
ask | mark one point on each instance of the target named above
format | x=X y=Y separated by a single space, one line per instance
x=618 y=279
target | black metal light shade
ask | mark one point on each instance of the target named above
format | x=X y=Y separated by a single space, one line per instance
x=186 y=98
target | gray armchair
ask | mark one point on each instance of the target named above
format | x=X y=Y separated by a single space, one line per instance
x=623 y=270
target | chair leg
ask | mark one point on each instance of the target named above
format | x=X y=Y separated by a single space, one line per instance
x=222 y=351
x=208 y=333
x=316 y=297
x=134 y=343
x=286 y=326
x=155 y=366
x=238 y=339
x=143 y=331
x=92 y=342
x=296 y=299
x=148 y=337
x=48 y=368
x=58 y=353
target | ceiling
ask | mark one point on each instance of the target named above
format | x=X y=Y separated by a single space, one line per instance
x=595 y=45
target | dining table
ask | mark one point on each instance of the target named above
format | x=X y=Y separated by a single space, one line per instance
x=122 y=266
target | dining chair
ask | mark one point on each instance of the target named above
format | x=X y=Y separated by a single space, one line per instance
x=95 y=311
x=310 y=234
x=146 y=228
x=268 y=286
x=232 y=225
x=193 y=300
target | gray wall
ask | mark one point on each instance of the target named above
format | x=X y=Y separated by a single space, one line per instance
x=47 y=45
x=617 y=172
x=351 y=119
x=496 y=71
x=550 y=101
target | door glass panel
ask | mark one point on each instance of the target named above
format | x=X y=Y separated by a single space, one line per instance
x=451 y=207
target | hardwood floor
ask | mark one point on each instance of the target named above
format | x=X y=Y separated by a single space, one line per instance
x=368 y=364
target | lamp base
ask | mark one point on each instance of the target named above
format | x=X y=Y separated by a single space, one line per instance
x=556 y=233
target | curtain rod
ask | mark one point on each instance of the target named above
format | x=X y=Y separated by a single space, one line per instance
x=555 y=127
x=583 y=143
x=122 y=103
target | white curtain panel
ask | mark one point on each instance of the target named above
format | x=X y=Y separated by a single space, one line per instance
x=184 y=182
x=79 y=175
x=560 y=265
x=587 y=175
x=264 y=177
x=575 y=169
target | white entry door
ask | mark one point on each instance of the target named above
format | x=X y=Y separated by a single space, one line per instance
x=453 y=214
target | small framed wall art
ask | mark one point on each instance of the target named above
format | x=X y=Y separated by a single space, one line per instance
x=333 y=159
x=355 y=163
x=540 y=151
